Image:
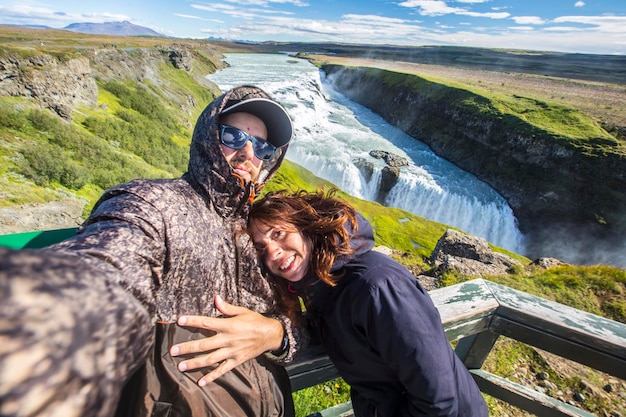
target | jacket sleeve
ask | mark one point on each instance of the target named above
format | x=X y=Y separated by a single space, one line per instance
x=124 y=233
x=298 y=337
x=405 y=327
x=71 y=336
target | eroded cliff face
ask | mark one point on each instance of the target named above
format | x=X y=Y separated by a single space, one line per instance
x=58 y=85
x=61 y=83
x=556 y=190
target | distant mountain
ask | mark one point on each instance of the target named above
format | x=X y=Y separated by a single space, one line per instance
x=33 y=26
x=112 y=28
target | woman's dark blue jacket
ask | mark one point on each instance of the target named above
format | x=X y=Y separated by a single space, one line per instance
x=385 y=336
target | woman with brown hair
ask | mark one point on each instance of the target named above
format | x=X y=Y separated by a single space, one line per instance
x=378 y=325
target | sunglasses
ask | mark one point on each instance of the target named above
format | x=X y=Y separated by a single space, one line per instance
x=234 y=138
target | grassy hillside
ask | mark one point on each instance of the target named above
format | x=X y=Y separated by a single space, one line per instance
x=139 y=135
x=140 y=128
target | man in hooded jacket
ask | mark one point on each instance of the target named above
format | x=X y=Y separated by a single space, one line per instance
x=151 y=254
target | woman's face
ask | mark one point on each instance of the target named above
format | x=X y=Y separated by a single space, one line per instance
x=284 y=252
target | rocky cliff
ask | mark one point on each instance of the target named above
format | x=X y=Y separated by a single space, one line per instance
x=58 y=85
x=60 y=82
x=559 y=189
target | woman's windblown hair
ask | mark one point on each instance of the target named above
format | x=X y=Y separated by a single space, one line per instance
x=322 y=220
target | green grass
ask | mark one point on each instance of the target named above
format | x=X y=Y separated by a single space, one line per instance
x=61 y=154
x=557 y=119
x=563 y=122
x=319 y=397
x=598 y=289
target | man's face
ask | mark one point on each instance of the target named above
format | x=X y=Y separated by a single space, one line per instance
x=243 y=161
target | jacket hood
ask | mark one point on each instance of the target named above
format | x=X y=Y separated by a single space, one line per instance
x=208 y=170
x=361 y=241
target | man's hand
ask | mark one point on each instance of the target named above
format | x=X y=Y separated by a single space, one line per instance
x=241 y=336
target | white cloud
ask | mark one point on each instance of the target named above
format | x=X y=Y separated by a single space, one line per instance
x=522 y=28
x=605 y=23
x=371 y=19
x=528 y=20
x=193 y=17
x=372 y=29
x=265 y=3
x=501 y=15
x=430 y=7
x=294 y=2
x=237 y=11
x=214 y=7
x=187 y=16
x=439 y=8
x=29 y=15
x=227 y=9
x=579 y=4
x=564 y=29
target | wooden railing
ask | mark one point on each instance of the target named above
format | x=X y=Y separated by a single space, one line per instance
x=477 y=313
x=474 y=313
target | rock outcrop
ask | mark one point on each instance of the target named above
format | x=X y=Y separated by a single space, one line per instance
x=389 y=173
x=57 y=85
x=470 y=256
x=47 y=216
x=391 y=159
x=181 y=58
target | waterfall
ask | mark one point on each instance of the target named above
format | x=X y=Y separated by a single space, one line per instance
x=331 y=132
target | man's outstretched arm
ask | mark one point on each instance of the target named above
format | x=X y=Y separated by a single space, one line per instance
x=70 y=336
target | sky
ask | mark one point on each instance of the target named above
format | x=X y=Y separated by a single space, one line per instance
x=584 y=26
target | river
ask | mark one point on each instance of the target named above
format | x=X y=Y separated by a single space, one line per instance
x=332 y=131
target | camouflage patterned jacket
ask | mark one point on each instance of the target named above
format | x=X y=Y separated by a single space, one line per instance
x=179 y=242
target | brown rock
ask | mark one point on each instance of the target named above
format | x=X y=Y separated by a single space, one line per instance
x=469 y=255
